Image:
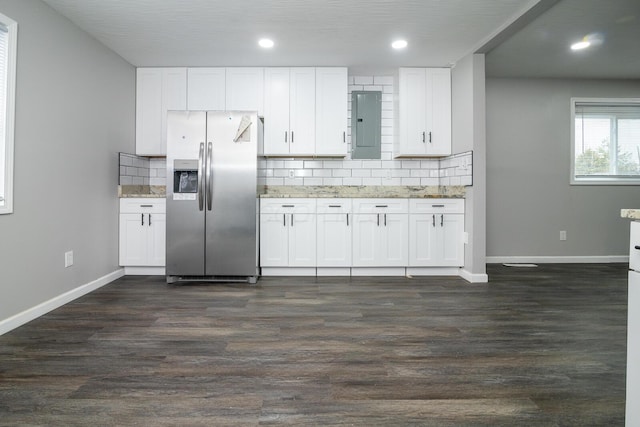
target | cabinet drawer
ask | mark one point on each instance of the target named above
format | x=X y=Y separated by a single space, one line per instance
x=436 y=206
x=634 y=240
x=331 y=206
x=380 y=206
x=143 y=205
x=286 y=205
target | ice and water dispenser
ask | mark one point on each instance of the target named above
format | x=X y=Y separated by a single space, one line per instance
x=185 y=179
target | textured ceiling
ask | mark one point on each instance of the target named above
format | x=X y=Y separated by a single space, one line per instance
x=542 y=48
x=355 y=33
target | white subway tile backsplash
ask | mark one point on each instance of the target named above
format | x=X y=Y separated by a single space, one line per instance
x=386 y=156
x=429 y=181
x=380 y=173
x=383 y=80
x=392 y=181
x=372 y=88
x=419 y=173
x=295 y=181
x=352 y=181
x=363 y=80
x=332 y=181
x=321 y=173
x=371 y=181
x=303 y=173
x=312 y=164
x=332 y=164
x=313 y=181
x=275 y=181
x=341 y=173
x=372 y=164
x=410 y=164
x=361 y=173
x=281 y=173
x=410 y=181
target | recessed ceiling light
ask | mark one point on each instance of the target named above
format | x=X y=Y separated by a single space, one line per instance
x=266 y=43
x=583 y=44
x=399 y=44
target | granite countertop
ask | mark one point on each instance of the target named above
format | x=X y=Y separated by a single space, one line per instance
x=320 y=191
x=372 y=191
x=630 y=213
x=142 y=191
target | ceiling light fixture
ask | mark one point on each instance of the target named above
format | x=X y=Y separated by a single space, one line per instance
x=399 y=44
x=266 y=43
x=583 y=44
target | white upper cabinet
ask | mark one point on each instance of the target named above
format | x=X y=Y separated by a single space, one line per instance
x=331 y=111
x=206 y=89
x=245 y=89
x=158 y=90
x=289 y=111
x=424 y=96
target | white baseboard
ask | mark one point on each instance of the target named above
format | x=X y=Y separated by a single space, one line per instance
x=473 y=278
x=144 y=271
x=28 y=315
x=432 y=271
x=378 y=271
x=288 y=271
x=333 y=271
x=557 y=259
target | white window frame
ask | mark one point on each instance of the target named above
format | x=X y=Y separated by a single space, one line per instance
x=6 y=205
x=600 y=180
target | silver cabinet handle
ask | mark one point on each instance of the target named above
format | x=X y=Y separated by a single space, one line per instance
x=149 y=220
x=285 y=136
x=288 y=206
x=423 y=137
x=146 y=206
x=385 y=220
x=437 y=206
x=637 y=247
x=344 y=137
x=284 y=220
x=292 y=137
x=347 y=220
x=430 y=137
x=142 y=218
x=441 y=220
x=382 y=206
x=209 y=175
x=378 y=220
x=335 y=206
x=433 y=218
x=292 y=214
x=200 y=175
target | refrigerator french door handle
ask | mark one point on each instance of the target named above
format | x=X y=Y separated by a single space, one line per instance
x=200 y=174
x=209 y=175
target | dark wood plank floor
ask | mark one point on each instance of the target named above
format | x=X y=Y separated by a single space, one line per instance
x=534 y=347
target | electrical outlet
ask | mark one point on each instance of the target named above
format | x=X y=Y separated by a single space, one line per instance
x=563 y=235
x=292 y=173
x=68 y=259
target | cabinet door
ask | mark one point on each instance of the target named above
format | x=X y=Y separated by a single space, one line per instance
x=334 y=240
x=274 y=240
x=174 y=97
x=302 y=240
x=450 y=244
x=156 y=239
x=276 y=111
x=422 y=230
x=133 y=239
x=302 y=111
x=633 y=350
x=148 y=110
x=392 y=246
x=365 y=240
x=206 y=89
x=439 y=111
x=413 y=111
x=245 y=89
x=331 y=111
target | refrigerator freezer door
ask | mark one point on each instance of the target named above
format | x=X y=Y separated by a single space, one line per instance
x=231 y=222
x=186 y=131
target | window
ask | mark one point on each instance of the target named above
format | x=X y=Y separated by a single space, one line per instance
x=605 y=141
x=8 y=45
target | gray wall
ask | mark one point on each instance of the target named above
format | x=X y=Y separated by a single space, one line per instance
x=468 y=133
x=75 y=110
x=529 y=199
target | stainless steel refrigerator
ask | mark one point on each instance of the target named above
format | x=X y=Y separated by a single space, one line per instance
x=212 y=201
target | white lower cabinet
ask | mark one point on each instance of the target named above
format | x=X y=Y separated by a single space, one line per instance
x=436 y=228
x=142 y=232
x=364 y=236
x=334 y=225
x=380 y=233
x=287 y=233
